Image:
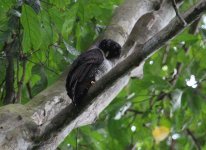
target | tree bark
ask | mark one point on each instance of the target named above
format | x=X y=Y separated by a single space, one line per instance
x=44 y=122
x=9 y=78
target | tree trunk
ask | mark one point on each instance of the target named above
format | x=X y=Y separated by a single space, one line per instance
x=44 y=122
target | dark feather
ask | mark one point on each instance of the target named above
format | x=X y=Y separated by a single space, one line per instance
x=82 y=72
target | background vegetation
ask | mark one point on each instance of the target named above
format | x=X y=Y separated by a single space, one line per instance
x=164 y=110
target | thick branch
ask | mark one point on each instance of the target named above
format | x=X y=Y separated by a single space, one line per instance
x=126 y=16
x=144 y=51
x=46 y=126
x=121 y=70
x=38 y=116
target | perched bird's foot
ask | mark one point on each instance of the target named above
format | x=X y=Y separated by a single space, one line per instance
x=92 y=82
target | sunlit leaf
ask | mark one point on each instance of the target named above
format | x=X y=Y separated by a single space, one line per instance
x=160 y=133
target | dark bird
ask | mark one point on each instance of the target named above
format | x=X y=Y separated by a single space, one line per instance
x=89 y=67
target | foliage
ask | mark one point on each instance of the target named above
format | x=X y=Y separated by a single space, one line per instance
x=161 y=111
x=48 y=38
x=147 y=109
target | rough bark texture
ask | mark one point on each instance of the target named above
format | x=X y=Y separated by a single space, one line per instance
x=49 y=117
x=9 y=86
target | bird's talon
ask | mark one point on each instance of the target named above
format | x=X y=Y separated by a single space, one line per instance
x=92 y=82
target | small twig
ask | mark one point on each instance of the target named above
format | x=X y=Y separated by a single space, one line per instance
x=176 y=76
x=151 y=102
x=131 y=146
x=17 y=70
x=143 y=100
x=172 y=146
x=51 y=70
x=136 y=112
x=28 y=86
x=178 y=14
x=165 y=56
x=131 y=122
x=77 y=135
x=2 y=95
x=20 y=83
x=84 y=146
x=194 y=27
x=2 y=83
x=2 y=88
x=33 y=52
x=194 y=139
x=47 y=57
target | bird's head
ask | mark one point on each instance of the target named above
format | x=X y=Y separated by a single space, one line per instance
x=110 y=48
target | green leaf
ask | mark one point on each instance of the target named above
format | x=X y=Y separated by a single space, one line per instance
x=35 y=4
x=32 y=37
x=186 y=37
x=60 y=3
x=70 y=18
x=57 y=18
x=117 y=130
x=43 y=82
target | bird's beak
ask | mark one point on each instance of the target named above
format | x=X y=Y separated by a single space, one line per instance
x=106 y=54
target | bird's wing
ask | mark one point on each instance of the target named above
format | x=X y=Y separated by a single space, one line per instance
x=82 y=67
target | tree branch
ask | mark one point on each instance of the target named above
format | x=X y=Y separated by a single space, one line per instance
x=179 y=66
x=48 y=118
x=20 y=83
x=193 y=139
x=177 y=13
x=142 y=52
x=120 y=71
x=29 y=89
x=10 y=93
